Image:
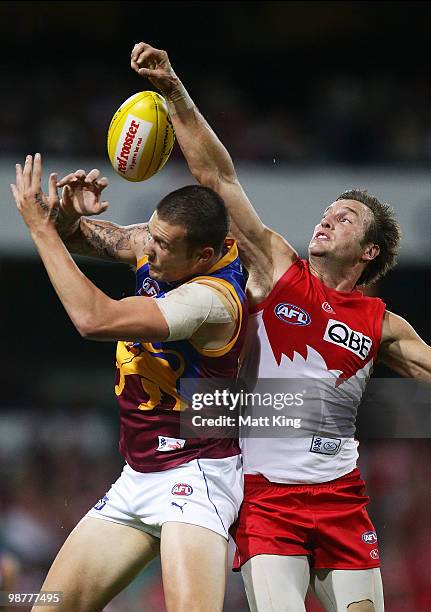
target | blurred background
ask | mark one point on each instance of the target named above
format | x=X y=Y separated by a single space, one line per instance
x=311 y=98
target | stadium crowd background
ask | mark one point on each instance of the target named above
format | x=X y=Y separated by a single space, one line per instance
x=313 y=84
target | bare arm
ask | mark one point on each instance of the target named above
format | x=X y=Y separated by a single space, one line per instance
x=403 y=350
x=211 y=165
x=82 y=197
x=94 y=314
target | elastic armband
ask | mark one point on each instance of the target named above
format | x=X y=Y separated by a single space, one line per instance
x=188 y=307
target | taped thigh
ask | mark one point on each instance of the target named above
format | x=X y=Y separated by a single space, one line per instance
x=275 y=583
x=337 y=589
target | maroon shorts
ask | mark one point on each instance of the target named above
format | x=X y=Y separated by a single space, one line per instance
x=327 y=522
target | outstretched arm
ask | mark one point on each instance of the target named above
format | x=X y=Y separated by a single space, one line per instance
x=94 y=314
x=193 y=307
x=81 y=198
x=403 y=350
x=211 y=165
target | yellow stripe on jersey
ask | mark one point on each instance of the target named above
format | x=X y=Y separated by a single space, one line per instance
x=141 y=262
x=228 y=258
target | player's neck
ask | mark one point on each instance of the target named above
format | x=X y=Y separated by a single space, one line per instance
x=340 y=278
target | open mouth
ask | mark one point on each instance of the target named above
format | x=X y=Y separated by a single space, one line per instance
x=321 y=236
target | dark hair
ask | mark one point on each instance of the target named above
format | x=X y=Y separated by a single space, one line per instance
x=384 y=230
x=201 y=211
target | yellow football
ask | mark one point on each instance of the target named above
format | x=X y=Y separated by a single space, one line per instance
x=140 y=136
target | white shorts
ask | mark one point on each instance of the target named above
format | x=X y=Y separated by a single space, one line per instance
x=203 y=492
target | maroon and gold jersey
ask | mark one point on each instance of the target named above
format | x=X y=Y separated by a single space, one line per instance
x=149 y=375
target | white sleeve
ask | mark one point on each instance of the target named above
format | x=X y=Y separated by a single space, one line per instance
x=189 y=306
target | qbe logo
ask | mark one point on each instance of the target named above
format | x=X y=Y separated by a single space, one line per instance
x=182 y=489
x=294 y=315
x=369 y=537
x=341 y=334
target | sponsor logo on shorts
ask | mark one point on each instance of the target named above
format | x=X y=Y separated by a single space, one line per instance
x=181 y=507
x=101 y=503
x=182 y=489
x=369 y=537
x=325 y=446
x=340 y=334
x=170 y=444
x=374 y=554
x=294 y=315
x=149 y=288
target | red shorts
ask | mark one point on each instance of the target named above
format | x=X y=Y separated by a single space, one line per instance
x=327 y=522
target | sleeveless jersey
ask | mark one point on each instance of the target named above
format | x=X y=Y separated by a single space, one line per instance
x=325 y=341
x=149 y=374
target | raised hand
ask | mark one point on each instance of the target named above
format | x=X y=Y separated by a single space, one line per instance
x=154 y=64
x=81 y=195
x=38 y=210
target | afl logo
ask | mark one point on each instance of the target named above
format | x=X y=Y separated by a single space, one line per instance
x=182 y=489
x=149 y=288
x=294 y=315
x=369 y=537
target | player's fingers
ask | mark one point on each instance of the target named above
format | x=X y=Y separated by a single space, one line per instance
x=26 y=174
x=80 y=174
x=102 y=183
x=149 y=57
x=15 y=194
x=92 y=175
x=150 y=73
x=138 y=48
x=37 y=172
x=66 y=180
x=66 y=195
x=52 y=185
x=103 y=206
x=18 y=174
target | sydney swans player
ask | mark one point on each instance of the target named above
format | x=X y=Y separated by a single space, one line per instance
x=303 y=518
x=177 y=494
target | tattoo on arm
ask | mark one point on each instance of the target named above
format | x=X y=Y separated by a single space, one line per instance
x=104 y=239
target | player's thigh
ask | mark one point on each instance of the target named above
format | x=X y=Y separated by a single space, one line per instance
x=353 y=590
x=194 y=563
x=276 y=583
x=98 y=559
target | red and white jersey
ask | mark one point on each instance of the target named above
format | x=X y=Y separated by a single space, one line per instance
x=328 y=341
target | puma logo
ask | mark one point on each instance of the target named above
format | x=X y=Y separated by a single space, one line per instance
x=179 y=506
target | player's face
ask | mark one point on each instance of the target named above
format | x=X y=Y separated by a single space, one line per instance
x=341 y=230
x=167 y=250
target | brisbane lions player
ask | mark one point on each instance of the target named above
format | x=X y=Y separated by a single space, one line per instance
x=303 y=519
x=178 y=493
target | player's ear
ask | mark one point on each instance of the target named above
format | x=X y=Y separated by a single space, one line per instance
x=371 y=252
x=205 y=255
